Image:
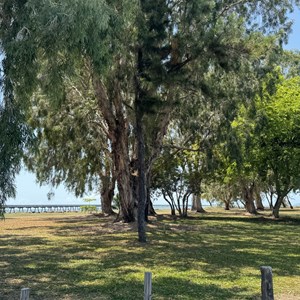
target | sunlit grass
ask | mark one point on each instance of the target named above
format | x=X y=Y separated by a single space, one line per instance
x=212 y=256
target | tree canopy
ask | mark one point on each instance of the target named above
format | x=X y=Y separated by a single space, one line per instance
x=139 y=60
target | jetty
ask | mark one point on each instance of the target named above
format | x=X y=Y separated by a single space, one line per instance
x=48 y=208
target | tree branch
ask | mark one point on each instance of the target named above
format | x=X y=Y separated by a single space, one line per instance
x=230 y=6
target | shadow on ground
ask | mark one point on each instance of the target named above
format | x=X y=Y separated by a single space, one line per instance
x=203 y=257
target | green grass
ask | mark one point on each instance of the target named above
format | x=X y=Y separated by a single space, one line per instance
x=212 y=256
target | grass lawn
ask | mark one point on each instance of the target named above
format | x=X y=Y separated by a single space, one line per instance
x=212 y=256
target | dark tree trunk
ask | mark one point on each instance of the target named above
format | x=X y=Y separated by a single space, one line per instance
x=250 y=207
x=185 y=203
x=149 y=211
x=227 y=204
x=289 y=202
x=141 y=153
x=283 y=204
x=259 y=204
x=134 y=181
x=173 y=211
x=197 y=204
x=141 y=178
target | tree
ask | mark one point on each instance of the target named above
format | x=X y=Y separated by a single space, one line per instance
x=50 y=66
x=279 y=138
x=267 y=133
x=137 y=53
x=172 y=179
x=71 y=145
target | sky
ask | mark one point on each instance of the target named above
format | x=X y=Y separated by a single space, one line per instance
x=294 y=38
x=29 y=192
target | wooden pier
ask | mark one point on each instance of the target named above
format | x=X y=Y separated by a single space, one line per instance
x=47 y=208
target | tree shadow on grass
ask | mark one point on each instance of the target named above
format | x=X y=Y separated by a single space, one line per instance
x=84 y=259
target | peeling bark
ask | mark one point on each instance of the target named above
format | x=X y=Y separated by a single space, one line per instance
x=111 y=108
x=121 y=162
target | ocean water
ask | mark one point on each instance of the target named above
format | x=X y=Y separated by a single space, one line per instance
x=31 y=193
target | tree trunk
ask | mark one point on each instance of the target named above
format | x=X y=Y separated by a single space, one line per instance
x=141 y=178
x=173 y=211
x=283 y=204
x=107 y=195
x=289 y=202
x=122 y=168
x=258 y=202
x=248 y=198
x=121 y=162
x=270 y=201
x=112 y=110
x=107 y=190
x=250 y=207
x=149 y=209
x=170 y=202
x=185 y=204
x=197 y=204
x=275 y=210
x=141 y=151
x=227 y=204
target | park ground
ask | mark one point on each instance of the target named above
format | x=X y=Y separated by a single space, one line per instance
x=217 y=255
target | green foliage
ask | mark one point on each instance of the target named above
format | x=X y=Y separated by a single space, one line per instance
x=89 y=199
x=88 y=208
x=70 y=145
x=153 y=52
x=13 y=137
x=268 y=137
x=279 y=137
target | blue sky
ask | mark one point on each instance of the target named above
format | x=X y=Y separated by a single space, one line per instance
x=28 y=192
x=294 y=39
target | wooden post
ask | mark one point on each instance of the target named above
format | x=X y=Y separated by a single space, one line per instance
x=148 y=286
x=266 y=283
x=25 y=294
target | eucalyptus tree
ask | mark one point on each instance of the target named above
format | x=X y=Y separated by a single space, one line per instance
x=289 y=63
x=71 y=146
x=60 y=39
